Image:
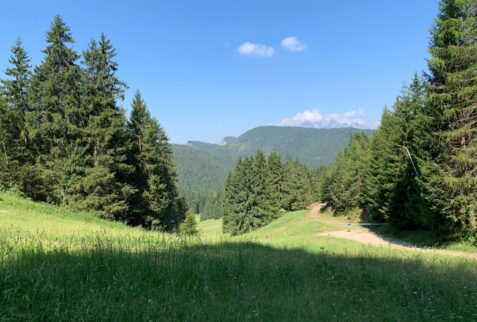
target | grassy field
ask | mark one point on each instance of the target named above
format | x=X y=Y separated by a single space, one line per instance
x=56 y=264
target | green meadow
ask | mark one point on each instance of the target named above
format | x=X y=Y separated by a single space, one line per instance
x=61 y=265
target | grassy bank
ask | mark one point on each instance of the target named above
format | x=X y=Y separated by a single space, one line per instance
x=56 y=264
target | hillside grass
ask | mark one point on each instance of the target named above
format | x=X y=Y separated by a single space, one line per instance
x=210 y=228
x=58 y=264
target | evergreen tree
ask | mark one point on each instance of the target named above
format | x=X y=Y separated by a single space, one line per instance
x=57 y=117
x=261 y=208
x=244 y=209
x=189 y=226
x=16 y=88
x=157 y=203
x=14 y=133
x=256 y=190
x=386 y=167
x=392 y=192
x=297 y=187
x=326 y=187
x=274 y=183
x=104 y=187
x=343 y=182
x=213 y=206
x=449 y=157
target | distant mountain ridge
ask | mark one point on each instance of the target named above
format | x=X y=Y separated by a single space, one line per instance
x=203 y=167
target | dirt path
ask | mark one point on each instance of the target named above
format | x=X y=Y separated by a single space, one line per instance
x=367 y=237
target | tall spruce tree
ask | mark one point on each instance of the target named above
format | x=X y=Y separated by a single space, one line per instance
x=104 y=187
x=260 y=190
x=245 y=204
x=349 y=173
x=213 y=206
x=343 y=182
x=57 y=117
x=391 y=191
x=387 y=166
x=297 y=187
x=157 y=202
x=274 y=182
x=449 y=165
x=229 y=216
x=14 y=133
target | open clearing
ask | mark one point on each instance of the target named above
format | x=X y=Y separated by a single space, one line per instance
x=58 y=264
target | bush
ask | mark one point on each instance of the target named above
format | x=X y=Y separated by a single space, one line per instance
x=189 y=226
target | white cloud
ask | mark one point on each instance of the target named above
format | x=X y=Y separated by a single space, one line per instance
x=293 y=44
x=256 y=50
x=313 y=118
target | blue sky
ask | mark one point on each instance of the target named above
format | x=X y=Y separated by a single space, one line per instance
x=213 y=68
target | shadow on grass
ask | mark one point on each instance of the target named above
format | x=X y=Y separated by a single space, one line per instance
x=233 y=282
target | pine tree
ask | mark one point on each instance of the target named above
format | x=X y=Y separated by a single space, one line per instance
x=189 y=226
x=157 y=203
x=326 y=187
x=245 y=205
x=104 y=187
x=17 y=87
x=14 y=133
x=57 y=117
x=274 y=183
x=449 y=165
x=261 y=208
x=256 y=190
x=228 y=201
x=392 y=191
x=387 y=165
x=343 y=183
x=297 y=187
x=213 y=206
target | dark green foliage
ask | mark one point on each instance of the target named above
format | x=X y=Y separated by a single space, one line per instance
x=297 y=185
x=242 y=211
x=313 y=147
x=257 y=190
x=189 y=226
x=449 y=165
x=64 y=139
x=398 y=200
x=436 y=120
x=213 y=206
x=203 y=167
x=157 y=199
x=343 y=183
x=57 y=118
x=200 y=173
x=275 y=177
x=104 y=187
x=14 y=106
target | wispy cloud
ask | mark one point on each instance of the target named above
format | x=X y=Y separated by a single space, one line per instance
x=293 y=44
x=313 y=118
x=256 y=50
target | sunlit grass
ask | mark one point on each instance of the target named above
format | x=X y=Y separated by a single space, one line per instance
x=58 y=264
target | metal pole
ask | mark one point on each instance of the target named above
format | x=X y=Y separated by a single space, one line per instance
x=410 y=158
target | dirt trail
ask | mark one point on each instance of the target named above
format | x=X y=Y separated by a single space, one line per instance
x=367 y=237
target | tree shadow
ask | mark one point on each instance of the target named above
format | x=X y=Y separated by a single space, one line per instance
x=233 y=281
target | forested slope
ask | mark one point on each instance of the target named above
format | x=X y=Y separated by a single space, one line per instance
x=203 y=167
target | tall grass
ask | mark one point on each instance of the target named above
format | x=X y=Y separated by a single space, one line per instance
x=59 y=265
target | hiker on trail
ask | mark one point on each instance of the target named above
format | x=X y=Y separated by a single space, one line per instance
x=349 y=224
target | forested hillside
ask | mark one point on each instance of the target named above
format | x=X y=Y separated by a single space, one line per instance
x=65 y=140
x=433 y=186
x=203 y=167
